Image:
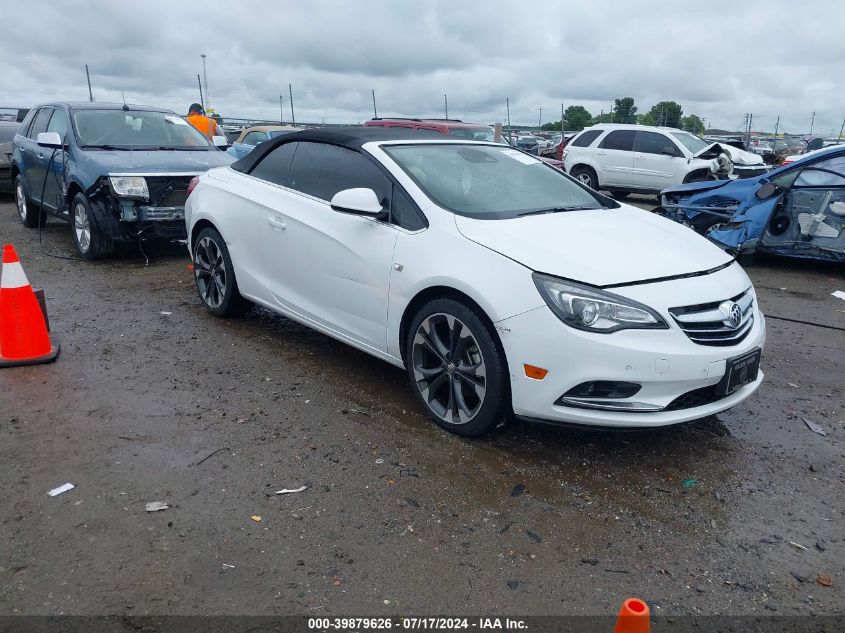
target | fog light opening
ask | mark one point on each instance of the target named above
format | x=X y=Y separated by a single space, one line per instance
x=603 y=389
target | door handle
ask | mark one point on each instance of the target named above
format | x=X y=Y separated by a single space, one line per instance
x=638 y=156
x=277 y=224
x=600 y=152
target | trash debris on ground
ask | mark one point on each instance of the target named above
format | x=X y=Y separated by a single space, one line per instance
x=815 y=428
x=518 y=489
x=797 y=546
x=380 y=460
x=336 y=581
x=590 y=561
x=63 y=488
x=211 y=454
x=824 y=580
x=155 y=506
x=798 y=576
x=792 y=384
x=838 y=294
x=512 y=584
x=412 y=502
x=166 y=313
x=256 y=518
x=286 y=491
x=228 y=566
x=689 y=483
x=533 y=536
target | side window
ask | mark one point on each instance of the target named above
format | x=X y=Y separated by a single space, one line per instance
x=58 y=124
x=622 y=140
x=403 y=212
x=26 y=123
x=276 y=165
x=586 y=138
x=39 y=124
x=654 y=143
x=832 y=176
x=321 y=170
x=254 y=138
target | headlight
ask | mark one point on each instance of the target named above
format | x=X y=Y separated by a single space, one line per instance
x=130 y=186
x=594 y=310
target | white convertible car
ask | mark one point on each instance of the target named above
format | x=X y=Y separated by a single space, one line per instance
x=503 y=286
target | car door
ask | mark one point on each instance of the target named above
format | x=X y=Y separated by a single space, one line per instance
x=329 y=267
x=656 y=161
x=33 y=160
x=615 y=158
x=55 y=176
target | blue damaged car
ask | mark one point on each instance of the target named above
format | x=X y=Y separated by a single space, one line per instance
x=797 y=210
x=115 y=172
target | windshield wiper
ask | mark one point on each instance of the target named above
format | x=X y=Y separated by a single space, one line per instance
x=554 y=210
x=128 y=149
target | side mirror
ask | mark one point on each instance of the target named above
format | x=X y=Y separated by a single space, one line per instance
x=50 y=139
x=220 y=142
x=359 y=201
x=767 y=191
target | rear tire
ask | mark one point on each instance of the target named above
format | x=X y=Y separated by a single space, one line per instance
x=89 y=241
x=458 y=370
x=29 y=214
x=620 y=195
x=586 y=176
x=215 y=275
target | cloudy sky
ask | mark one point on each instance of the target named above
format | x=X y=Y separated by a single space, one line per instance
x=718 y=58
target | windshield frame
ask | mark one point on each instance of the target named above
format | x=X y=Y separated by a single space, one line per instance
x=603 y=202
x=149 y=148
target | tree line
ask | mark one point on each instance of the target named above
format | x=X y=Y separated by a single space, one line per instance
x=664 y=113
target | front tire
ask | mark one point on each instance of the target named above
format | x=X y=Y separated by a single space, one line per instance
x=215 y=275
x=586 y=176
x=620 y=195
x=89 y=241
x=29 y=214
x=457 y=369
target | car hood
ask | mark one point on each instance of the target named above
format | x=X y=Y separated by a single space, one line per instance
x=737 y=156
x=600 y=247
x=158 y=162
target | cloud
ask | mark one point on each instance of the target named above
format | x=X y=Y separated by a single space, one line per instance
x=719 y=59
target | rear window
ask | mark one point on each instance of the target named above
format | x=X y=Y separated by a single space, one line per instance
x=585 y=138
x=622 y=140
x=473 y=133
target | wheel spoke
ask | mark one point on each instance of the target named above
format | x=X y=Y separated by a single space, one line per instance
x=427 y=373
x=476 y=382
x=430 y=345
x=460 y=401
x=434 y=336
x=455 y=340
x=451 y=406
x=432 y=387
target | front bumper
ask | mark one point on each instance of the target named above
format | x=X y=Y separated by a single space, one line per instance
x=677 y=376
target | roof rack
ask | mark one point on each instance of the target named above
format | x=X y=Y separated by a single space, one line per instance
x=406 y=118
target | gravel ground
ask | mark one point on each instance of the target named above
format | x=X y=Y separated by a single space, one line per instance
x=213 y=416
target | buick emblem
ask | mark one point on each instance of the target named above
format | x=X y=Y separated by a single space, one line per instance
x=732 y=312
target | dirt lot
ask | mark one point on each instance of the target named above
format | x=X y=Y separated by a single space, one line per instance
x=736 y=514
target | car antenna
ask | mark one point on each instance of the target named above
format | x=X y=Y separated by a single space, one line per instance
x=125 y=107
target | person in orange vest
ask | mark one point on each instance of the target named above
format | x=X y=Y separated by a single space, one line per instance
x=206 y=125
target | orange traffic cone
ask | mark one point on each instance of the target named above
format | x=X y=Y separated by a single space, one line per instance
x=24 y=339
x=633 y=617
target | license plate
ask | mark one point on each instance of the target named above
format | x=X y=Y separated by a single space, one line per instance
x=740 y=371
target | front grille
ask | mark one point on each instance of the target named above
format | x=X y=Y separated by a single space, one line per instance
x=695 y=398
x=709 y=323
x=168 y=191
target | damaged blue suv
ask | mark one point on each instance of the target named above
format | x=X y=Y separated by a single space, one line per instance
x=796 y=211
x=115 y=172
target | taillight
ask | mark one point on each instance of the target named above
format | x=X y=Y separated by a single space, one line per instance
x=193 y=184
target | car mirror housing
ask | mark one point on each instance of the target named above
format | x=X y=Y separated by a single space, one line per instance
x=220 y=142
x=767 y=191
x=50 y=139
x=360 y=201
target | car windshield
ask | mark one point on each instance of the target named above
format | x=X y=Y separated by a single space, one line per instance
x=489 y=182
x=690 y=141
x=473 y=133
x=136 y=129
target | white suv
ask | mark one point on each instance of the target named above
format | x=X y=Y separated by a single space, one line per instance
x=627 y=159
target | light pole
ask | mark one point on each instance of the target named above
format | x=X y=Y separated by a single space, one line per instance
x=205 y=81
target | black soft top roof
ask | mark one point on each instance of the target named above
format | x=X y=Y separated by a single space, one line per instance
x=350 y=137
